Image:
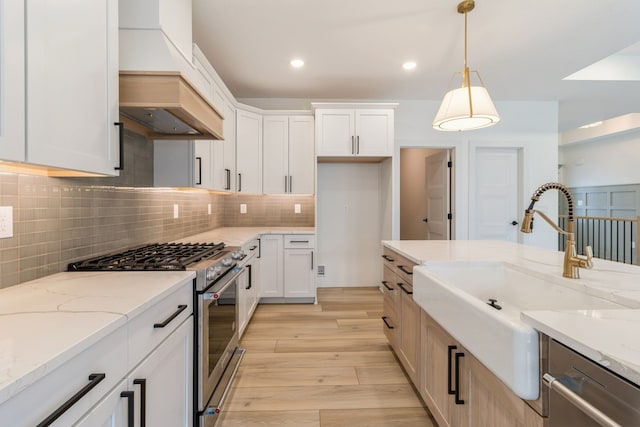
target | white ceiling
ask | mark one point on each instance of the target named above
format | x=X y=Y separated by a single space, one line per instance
x=354 y=49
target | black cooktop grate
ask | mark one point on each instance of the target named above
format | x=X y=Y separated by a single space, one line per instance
x=154 y=257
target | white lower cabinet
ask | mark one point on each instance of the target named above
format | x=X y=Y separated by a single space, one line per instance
x=157 y=393
x=142 y=369
x=288 y=268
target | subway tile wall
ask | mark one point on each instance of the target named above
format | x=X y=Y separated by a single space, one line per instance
x=60 y=220
x=57 y=221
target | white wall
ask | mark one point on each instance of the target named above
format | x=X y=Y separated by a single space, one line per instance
x=606 y=161
x=349 y=223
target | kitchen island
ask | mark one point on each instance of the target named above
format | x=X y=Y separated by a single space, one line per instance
x=609 y=337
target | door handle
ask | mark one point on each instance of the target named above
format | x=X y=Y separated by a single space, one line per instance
x=384 y=319
x=168 y=320
x=514 y=223
x=425 y=219
x=120 y=126
x=450 y=389
x=130 y=406
x=199 y=160
x=457 y=393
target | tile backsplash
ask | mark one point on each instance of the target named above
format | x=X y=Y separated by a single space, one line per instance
x=59 y=220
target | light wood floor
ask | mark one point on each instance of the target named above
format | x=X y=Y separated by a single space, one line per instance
x=324 y=365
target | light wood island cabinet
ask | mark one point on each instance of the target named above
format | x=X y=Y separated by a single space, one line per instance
x=456 y=387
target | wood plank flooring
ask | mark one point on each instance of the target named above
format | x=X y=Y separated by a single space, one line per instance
x=323 y=365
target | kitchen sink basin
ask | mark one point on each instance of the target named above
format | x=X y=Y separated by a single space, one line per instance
x=459 y=294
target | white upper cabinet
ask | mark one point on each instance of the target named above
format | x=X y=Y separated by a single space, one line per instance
x=289 y=155
x=12 y=94
x=248 y=152
x=354 y=132
x=72 y=85
x=183 y=164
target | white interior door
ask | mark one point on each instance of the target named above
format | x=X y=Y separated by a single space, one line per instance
x=495 y=194
x=438 y=190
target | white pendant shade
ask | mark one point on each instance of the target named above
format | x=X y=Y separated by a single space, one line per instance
x=455 y=113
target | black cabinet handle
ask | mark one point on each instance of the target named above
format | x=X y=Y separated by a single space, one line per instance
x=457 y=394
x=250 y=278
x=450 y=389
x=384 y=319
x=239 y=182
x=404 y=270
x=259 y=248
x=401 y=285
x=228 y=186
x=199 y=159
x=180 y=309
x=358 y=144
x=386 y=285
x=311 y=260
x=94 y=380
x=253 y=248
x=290 y=184
x=120 y=126
x=285 y=184
x=353 y=145
x=143 y=400
x=388 y=258
x=299 y=241
x=130 y=407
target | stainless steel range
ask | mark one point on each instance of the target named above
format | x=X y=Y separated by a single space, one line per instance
x=216 y=351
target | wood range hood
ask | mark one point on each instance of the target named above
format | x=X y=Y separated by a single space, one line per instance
x=164 y=105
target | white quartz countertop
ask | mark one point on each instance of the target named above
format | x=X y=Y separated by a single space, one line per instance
x=238 y=236
x=46 y=322
x=608 y=337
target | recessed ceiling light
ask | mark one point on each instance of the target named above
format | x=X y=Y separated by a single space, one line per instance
x=297 y=63
x=409 y=65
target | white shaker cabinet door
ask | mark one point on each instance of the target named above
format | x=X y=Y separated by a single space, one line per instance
x=275 y=146
x=12 y=93
x=271 y=275
x=374 y=132
x=302 y=158
x=72 y=84
x=336 y=132
x=248 y=152
x=299 y=273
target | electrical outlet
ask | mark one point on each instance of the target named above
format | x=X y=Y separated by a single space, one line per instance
x=176 y=211
x=243 y=208
x=6 y=222
x=321 y=270
x=296 y=208
x=209 y=209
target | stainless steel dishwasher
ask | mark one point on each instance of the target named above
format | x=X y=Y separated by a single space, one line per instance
x=585 y=394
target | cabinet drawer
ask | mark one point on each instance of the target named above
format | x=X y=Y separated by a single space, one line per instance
x=149 y=329
x=400 y=265
x=37 y=402
x=299 y=241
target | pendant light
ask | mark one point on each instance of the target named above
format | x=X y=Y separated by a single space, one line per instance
x=467 y=107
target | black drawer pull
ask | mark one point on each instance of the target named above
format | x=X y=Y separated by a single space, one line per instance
x=401 y=285
x=130 y=407
x=384 y=319
x=143 y=400
x=450 y=389
x=253 y=248
x=94 y=380
x=458 y=400
x=388 y=258
x=180 y=309
x=299 y=241
x=386 y=285
x=404 y=270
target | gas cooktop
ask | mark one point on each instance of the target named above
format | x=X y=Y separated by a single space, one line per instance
x=153 y=257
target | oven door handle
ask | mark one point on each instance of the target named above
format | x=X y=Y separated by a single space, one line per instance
x=229 y=281
x=590 y=410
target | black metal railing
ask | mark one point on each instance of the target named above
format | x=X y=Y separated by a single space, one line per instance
x=613 y=239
